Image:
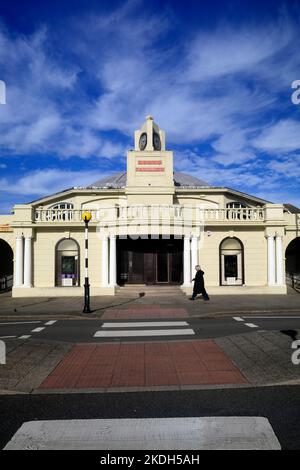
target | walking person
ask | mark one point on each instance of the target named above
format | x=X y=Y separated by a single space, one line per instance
x=199 y=287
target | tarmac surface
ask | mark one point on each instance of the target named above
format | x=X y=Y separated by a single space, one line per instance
x=278 y=404
x=154 y=358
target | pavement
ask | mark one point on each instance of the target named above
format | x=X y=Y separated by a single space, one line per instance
x=219 y=305
x=28 y=363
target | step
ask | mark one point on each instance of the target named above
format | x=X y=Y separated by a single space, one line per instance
x=149 y=290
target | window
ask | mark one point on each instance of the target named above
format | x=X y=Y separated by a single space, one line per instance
x=236 y=205
x=231 y=262
x=62 y=205
x=234 y=211
x=67 y=263
x=60 y=211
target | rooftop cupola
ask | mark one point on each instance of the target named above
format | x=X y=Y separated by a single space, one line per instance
x=150 y=137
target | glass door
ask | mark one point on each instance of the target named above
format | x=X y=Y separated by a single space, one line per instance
x=162 y=267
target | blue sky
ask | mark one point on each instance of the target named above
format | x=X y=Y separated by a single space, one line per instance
x=81 y=76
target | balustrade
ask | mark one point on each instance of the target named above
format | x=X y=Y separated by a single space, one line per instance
x=191 y=213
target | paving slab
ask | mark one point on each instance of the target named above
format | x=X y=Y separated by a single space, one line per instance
x=29 y=363
x=263 y=358
x=176 y=363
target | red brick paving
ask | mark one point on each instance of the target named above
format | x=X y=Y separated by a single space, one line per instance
x=176 y=363
x=144 y=312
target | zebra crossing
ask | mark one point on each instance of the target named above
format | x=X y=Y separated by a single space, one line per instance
x=179 y=433
x=144 y=329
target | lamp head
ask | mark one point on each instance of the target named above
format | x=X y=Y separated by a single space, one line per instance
x=86 y=216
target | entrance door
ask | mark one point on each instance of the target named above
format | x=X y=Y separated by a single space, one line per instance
x=135 y=268
x=162 y=268
x=149 y=268
x=230 y=262
x=149 y=261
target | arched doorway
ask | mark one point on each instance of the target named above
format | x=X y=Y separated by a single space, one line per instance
x=6 y=266
x=67 y=263
x=231 y=262
x=292 y=262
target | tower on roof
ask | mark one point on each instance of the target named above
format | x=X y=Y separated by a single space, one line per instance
x=150 y=137
x=150 y=166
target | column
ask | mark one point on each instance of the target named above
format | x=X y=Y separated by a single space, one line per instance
x=279 y=260
x=186 y=262
x=271 y=261
x=194 y=248
x=19 y=261
x=113 y=261
x=27 y=261
x=104 y=261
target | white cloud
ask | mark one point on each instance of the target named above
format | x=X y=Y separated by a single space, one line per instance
x=284 y=136
x=191 y=87
x=44 y=182
x=239 y=50
x=216 y=88
x=289 y=167
x=232 y=148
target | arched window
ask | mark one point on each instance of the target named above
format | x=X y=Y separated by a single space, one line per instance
x=67 y=263
x=231 y=262
x=233 y=210
x=60 y=211
x=62 y=205
x=236 y=205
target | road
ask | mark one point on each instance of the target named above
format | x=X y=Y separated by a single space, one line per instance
x=83 y=331
x=278 y=404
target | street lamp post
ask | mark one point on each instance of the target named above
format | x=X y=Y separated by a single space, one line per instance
x=86 y=217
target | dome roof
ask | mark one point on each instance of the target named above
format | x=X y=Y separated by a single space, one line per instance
x=118 y=181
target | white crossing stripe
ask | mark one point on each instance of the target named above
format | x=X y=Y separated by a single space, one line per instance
x=24 y=336
x=7 y=337
x=37 y=330
x=251 y=325
x=124 y=333
x=196 y=433
x=51 y=322
x=238 y=318
x=143 y=323
x=143 y=328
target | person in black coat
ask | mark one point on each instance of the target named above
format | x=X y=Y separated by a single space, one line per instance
x=199 y=287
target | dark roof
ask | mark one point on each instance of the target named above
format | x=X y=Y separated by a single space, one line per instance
x=292 y=209
x=118 y=181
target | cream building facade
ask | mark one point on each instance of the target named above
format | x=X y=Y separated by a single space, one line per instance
x=150 y=226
